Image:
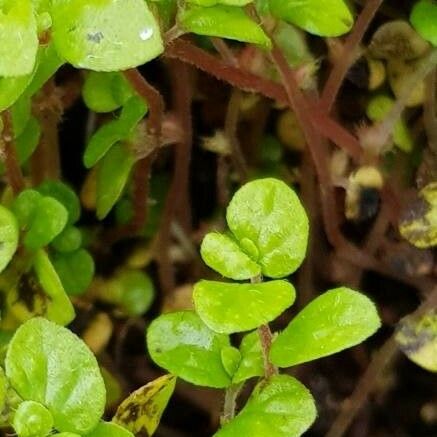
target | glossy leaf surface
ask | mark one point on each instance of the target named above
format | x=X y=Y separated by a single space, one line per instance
x=182 y=344
x=228 y=308
x=105 y=35
x=267 y=218
x=252 y=362
x=141 y=411
x=335 y=320
x=281 y=407
x=319 y=17
x=8 y=236
x=224 y=255
x=32 y=419
x=223 y=21
x=64 y=374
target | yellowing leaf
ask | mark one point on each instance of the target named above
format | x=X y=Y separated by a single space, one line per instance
x=141 y=411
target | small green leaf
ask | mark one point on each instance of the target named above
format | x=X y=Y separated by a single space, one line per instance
x=112 y=177
x=418 y=225
x=231 y=359
x=417 y=338
x=223 y=254
x=28 y=140
x=105 y=92
x=141 y=411
x=335 y=320
x=19 y=38
x=280 y=407
x=223 y=21
x=182 y=344
x=252 y=361
x=32 y=420
x=229 y=308
x=59 y=308
x=137 y=291
x=108 y=35
x=377 y=108
x=424 y=19
x=69 y=240
x=4 y=384
x=8 y=236
x=109 y=429
x=47 y=363
x=24 y=206
x=63 y=194
x=48 y=220
x=117 y=130
x=269 y=215
x=11 y=88
x=319 y=17
x=75 y=270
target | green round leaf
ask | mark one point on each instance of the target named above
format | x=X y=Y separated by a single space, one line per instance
x=19 y=40
x=32 y=420
x=137 y=292
x=63 y=194
x=280 y=407
x=47 y=363
x=223 y=21
x=182 y=344
x=424 y=19
x=24 y=206
x=229 y=308
x=48 y=220
x=109 y=429
x=69 y=240
x=319 y=17
x=105 y=35
x=11 y=88
x=105 y=92
x=75 y=270
x=252 y=361
x=231 y=358
x=59 y=307
x=336 y=320
x=222 y=253
x=141 y=411
x=112 y=177
x=8 y=236
x=417 y=338
x=268 y=215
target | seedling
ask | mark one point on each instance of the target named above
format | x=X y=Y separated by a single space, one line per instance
x=267 y=238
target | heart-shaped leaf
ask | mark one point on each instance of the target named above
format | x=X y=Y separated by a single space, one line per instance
x=223 y=21
x=334 y=321
x=141 y=411
x=108 y=35
x=182 y=344
x=224 y=255
x=280 y=407
x=267 y=215
x=229 y=308
x=8 y=236
x=320 y=17
x=47 y=363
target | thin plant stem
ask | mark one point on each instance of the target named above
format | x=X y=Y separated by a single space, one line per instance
x=230 y=404
x=349 y=53
x=9 y=157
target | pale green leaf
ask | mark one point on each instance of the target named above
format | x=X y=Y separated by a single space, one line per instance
x=223 y=21
x=230 y=358
x=32 y=419
x=182 y=344
x=252 y=361
x=223 y=254
x=109 y=429
x=267 y=214
x=105 y=35
x=228 y=308
x=280 y=407
x=319 y=17
x=47 y=363
x=141 y=411
x=8 y=236
x=335 y=320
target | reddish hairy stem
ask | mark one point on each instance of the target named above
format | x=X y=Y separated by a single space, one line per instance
x=9 y=155
x=338 y=73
